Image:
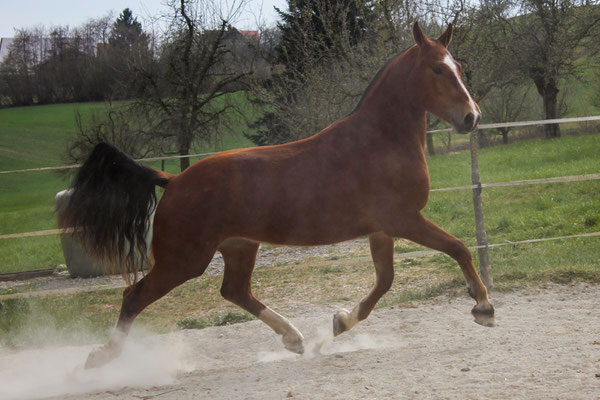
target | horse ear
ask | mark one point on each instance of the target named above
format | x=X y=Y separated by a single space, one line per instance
x=446 y=37
x=419 y=35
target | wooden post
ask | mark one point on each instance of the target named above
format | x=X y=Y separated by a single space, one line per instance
x=482 y=251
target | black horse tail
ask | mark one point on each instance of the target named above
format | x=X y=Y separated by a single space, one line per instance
x=109 y=206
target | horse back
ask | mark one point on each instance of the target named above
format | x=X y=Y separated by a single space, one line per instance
x=324 y=189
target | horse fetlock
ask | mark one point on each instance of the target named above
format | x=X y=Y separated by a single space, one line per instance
x=484 y=314
x=293 y=341
x=472 y=292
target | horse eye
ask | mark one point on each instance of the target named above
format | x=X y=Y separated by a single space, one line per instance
x=437 y=70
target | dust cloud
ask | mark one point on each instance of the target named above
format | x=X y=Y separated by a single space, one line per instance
x=323 y=344
x=55 y=371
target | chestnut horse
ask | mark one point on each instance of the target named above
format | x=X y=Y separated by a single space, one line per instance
x=365 y=175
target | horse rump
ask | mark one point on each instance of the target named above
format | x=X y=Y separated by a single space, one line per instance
x=110 y=202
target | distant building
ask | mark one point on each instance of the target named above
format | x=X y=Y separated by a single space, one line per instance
x=253 y=35
x=5 y=44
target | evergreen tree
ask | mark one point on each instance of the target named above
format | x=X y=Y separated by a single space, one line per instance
x=315 y=31
x=126 y=31
x=128 y=45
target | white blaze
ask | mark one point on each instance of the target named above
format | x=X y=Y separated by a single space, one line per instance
x=450 y=63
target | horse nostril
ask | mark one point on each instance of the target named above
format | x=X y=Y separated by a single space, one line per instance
x=469 y=119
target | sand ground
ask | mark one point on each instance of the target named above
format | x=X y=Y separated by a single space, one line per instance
x=546 y=346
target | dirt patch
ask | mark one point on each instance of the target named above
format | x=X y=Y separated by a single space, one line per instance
x=268 y=256
x=546 y=345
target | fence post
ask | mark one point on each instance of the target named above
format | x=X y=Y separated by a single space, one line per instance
x=484 y=260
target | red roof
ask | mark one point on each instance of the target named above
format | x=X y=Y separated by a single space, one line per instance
x=250 y=34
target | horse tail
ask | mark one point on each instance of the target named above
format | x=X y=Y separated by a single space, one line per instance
x=109 y=206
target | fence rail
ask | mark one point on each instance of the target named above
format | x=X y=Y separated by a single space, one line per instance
x=558 y=179
x=482 y=126
x=575 y=178
x=482 y=246
x=527 y=123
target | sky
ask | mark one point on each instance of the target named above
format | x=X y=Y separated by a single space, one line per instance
x=48 y=13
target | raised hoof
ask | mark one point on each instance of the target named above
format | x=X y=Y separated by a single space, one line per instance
x=101 y=356
x=339 y=326
x=484 y=316
x=294 y=343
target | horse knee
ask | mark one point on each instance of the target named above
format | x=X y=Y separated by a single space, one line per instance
x=458 y=251
x=227 y=293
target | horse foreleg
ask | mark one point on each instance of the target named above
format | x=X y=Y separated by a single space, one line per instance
x=382 y=252
x=240 y=256
x=422 y=231
x=161 y=279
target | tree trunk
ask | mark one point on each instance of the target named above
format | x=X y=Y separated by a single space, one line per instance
x=504 y=133
x=184 y=150
x=551 y=111
x=482 y=140
x=430 y=148
x=547 y=88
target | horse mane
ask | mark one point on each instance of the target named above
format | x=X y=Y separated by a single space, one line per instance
x=376 y=78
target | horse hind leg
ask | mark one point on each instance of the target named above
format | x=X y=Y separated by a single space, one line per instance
x=382 y=252
x=166 y=274
x=240 y=256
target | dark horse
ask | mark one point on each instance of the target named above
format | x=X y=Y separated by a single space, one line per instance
x=365 y=175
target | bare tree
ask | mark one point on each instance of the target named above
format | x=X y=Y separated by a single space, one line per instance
x=181 y=96
x=17 y=78
x=113 y=125
x=543 y=38
x=508 y=103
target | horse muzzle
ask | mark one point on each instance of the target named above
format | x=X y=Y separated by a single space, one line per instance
x=466 y=123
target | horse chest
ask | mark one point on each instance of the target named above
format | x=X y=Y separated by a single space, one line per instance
x=406 y=186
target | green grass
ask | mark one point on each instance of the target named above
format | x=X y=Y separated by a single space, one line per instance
x=73 y=320
x=37 y=136
x=533 y=159
x=33 y=137
x=516 y=213
x=521 y=212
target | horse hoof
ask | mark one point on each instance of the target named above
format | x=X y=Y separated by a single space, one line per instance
x=484 y=315
x=294 y=343
x=339 y=326
x=100 y=357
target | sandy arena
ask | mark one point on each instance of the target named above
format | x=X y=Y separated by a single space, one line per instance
x=546 y=346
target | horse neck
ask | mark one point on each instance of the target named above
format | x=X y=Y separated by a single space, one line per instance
x=391 y=104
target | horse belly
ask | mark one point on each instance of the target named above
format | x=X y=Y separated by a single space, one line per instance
x=280 y=204
x=300 y=213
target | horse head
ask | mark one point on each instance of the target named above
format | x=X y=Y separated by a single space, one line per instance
x=442 y=90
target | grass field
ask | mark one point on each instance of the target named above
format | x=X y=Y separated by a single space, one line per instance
x=33 y=137
x=27 y=199
x=512 y=214
x=37 y=136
